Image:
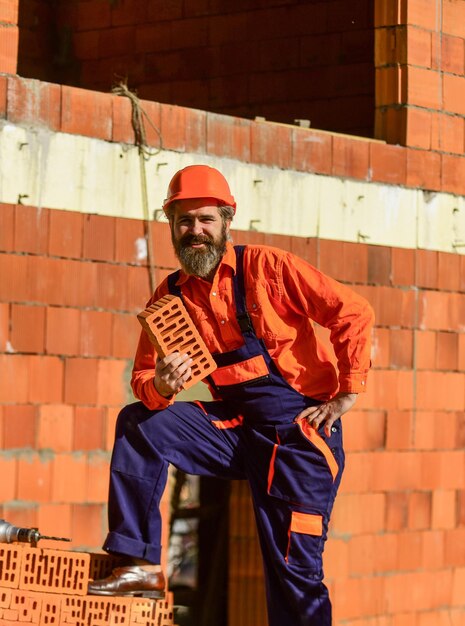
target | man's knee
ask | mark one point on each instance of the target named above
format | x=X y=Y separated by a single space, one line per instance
x=130 y=417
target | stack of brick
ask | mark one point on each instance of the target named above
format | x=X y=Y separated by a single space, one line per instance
x=48 y=587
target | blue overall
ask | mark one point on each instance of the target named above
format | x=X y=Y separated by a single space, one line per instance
x=251 y=433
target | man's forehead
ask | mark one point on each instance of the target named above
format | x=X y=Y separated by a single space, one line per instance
x=196 y=206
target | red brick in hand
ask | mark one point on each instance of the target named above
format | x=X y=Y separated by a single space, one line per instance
x=170 y=329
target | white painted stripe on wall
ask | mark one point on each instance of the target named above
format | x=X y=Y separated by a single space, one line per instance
x=57 y=170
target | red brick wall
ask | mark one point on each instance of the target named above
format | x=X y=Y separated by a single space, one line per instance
x=396 y=551
x=291 y=60
x=9 y=34
x=38 y=40
x=94 y=114
x=69 y=291
x=420 y=74
x=242 y=60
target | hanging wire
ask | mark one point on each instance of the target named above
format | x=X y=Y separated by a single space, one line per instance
x=138 y=118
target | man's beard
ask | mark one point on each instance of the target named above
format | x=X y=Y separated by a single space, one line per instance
x=200 y=262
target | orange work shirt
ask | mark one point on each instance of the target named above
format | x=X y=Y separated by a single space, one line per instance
x=284 y=296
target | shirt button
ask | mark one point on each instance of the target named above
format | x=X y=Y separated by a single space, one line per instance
x=223 y=322
x=213 y=293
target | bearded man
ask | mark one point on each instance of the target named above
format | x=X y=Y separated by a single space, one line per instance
x=277 y=402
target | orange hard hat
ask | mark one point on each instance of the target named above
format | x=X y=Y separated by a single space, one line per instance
x=199 y=181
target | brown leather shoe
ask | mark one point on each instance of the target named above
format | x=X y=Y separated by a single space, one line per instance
x=130 y=581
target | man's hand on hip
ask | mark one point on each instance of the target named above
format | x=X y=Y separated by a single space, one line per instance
x=328 y=412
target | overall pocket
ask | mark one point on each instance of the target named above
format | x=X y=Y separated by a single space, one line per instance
x=304 y=472
x=305 y=543
x=303 y=467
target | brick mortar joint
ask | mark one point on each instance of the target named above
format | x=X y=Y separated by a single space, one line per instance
x=405 y=66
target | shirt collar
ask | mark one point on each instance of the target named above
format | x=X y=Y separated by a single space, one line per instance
x=229 y=259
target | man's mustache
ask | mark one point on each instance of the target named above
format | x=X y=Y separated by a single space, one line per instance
x=189 y=240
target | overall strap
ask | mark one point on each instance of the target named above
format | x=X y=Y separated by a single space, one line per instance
x=173 y=288
x=242 y=315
